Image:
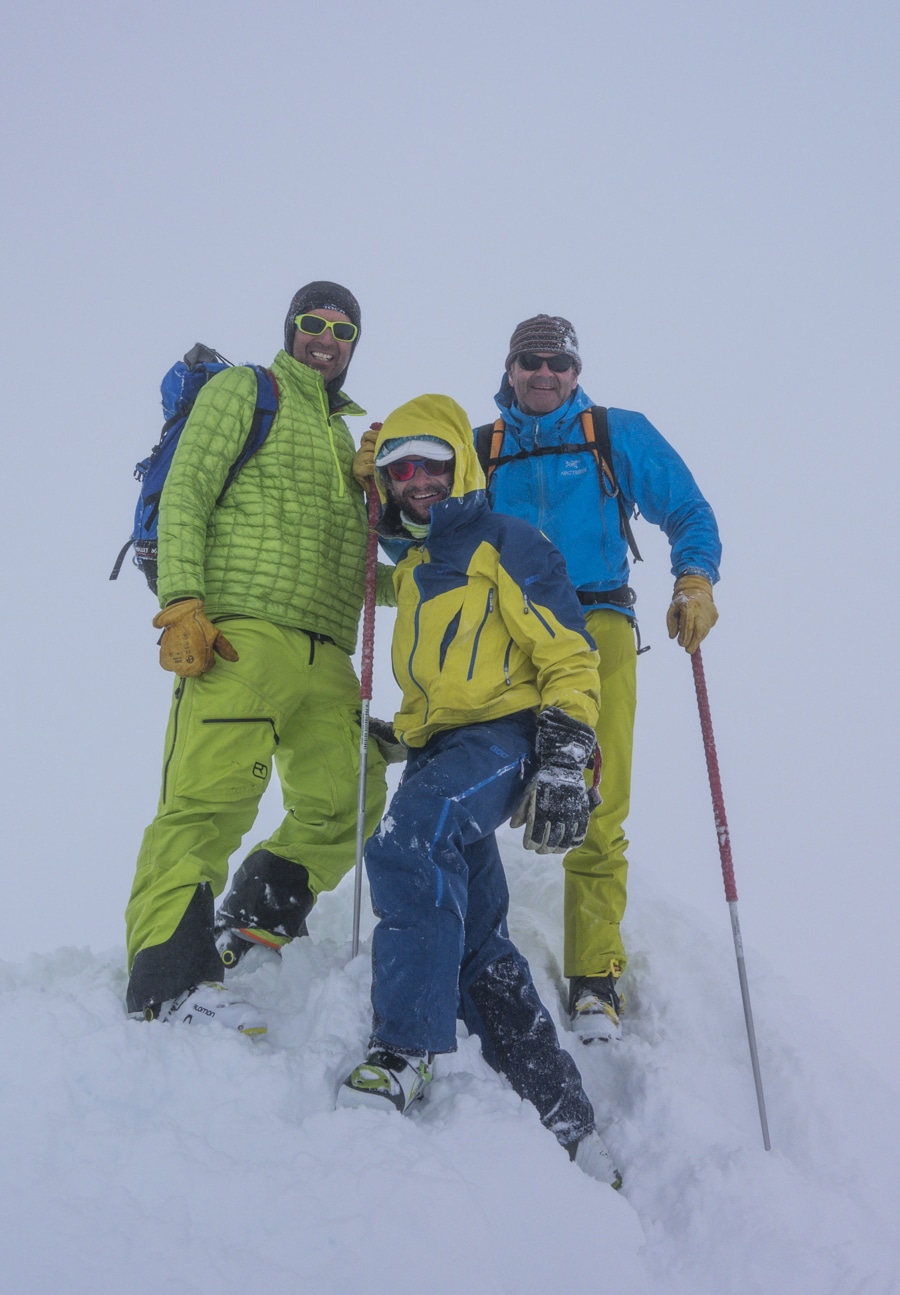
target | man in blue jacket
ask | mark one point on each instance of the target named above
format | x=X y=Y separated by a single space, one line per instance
x=543 y=469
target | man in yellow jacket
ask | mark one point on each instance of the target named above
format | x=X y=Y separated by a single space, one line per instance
x=500 y=700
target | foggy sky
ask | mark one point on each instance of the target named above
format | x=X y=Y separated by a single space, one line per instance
x=708 y=191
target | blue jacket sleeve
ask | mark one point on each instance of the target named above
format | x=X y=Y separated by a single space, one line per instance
x=655 y=478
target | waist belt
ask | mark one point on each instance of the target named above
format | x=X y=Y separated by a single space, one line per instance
x=624 y=596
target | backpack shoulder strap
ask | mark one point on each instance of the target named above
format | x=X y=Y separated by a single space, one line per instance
x=595 y=426
x=263 y=416
x=488 y=442
x=595 y=423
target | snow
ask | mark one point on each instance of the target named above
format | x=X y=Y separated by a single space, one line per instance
x=147 y=1157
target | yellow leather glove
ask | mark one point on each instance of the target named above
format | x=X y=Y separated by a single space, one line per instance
x=189 y=639
x=364 y=462
x=692 y=613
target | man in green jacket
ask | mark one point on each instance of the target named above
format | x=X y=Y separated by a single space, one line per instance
x=261 y=590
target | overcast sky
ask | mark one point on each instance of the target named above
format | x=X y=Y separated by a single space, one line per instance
x=707 y=190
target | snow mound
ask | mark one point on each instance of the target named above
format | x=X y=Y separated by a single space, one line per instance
x=143 y=1158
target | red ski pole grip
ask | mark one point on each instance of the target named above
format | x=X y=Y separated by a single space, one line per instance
x=368 y=637
x=715 y=782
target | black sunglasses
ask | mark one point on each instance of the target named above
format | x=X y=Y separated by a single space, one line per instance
x=555 y=363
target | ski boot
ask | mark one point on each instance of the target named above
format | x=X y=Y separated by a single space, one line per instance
x=235 y=942
x=595 y=1008
x=592 y=1158
x=209 y=1003
x=386 y=1080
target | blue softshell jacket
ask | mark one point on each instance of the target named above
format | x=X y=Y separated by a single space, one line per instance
x=560 y=494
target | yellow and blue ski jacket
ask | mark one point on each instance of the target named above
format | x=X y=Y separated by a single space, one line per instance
x=488 y=623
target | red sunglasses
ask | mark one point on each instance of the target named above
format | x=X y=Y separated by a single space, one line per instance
x=405 y=469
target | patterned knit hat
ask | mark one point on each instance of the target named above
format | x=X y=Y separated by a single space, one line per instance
x=545 y=333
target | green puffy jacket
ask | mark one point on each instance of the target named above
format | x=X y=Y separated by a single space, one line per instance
x=287 y=542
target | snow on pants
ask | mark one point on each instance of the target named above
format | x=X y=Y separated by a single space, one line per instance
x=441 y=948
x=291 y=701
x=596 y=872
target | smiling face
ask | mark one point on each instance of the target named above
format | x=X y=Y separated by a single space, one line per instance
x=540 y=391
x=417 y=496
x=323 y=352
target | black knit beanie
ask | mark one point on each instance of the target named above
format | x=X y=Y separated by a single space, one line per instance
x=545 y=333
x=323 y=295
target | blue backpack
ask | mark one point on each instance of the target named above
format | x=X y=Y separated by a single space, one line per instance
x=179 y=389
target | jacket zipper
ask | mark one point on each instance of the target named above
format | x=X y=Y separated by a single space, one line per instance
x=337 y=461
x=530 y=607
x=540 y=476
x=179 y=693
x=415 y=644
x=487 y=611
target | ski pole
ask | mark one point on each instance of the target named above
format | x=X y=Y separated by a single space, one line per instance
x=365 y=693
x=715 y=787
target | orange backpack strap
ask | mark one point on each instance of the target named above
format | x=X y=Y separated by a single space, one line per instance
x=588 y=425
x=488 y=443
x=595 y=425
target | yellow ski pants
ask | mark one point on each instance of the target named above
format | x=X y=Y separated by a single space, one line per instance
x=290 y=701
x=596 y=872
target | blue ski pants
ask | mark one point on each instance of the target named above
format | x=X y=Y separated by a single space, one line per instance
x=441 y=949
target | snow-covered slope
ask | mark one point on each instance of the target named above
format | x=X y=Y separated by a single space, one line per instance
x=146 y=1158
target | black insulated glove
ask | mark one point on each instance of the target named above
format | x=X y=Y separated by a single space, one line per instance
x=556 y=808
x=382 y=733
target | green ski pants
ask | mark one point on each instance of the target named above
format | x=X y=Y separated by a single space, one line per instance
x=291 y=701
x=596 y=872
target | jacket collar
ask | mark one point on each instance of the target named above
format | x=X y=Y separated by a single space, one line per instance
x=542 y=428
x=307 y=380
x=449 y=515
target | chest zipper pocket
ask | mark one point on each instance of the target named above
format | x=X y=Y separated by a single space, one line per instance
x=488 y=608
x=449 y=636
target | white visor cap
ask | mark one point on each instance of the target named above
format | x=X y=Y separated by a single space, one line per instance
x=412 y=449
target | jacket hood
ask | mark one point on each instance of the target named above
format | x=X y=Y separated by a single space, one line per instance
x=441 y=418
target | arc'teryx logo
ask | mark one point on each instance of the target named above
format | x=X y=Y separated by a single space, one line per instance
x=574 y=467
